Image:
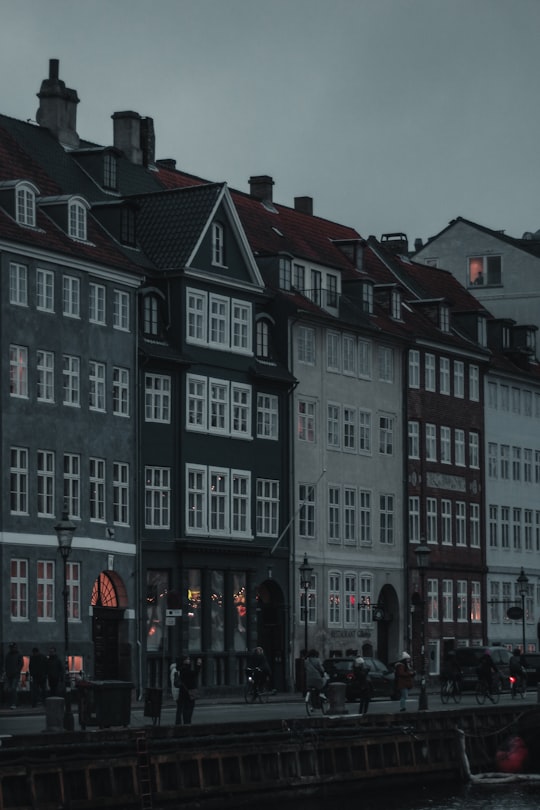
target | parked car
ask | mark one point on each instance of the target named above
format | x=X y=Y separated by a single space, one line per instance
x=468 y=659
x=533 y=669
x=341 y=670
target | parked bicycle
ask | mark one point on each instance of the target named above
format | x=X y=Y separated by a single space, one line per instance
x=450 y=690
x=315 y=700
x=488 y=691
x=518 y=685
x=256 y=687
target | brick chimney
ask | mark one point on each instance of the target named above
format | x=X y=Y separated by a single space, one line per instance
x=127 y=135
x=304 y=205
x=58 y=108
x=260 y=187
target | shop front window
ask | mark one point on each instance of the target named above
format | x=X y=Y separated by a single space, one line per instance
x=157 y=585
x=194 y=610
x=239 y=599
x=217 y=623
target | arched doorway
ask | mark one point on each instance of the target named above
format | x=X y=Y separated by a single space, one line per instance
x=387 y=618
x=271 y=629
x=111 y=650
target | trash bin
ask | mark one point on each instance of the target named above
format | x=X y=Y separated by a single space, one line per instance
x=152 y=704
x=104 y=703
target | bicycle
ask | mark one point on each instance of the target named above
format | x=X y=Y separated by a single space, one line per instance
x=518 y=685
x=485 y=690
x=450 y=688
x=253 y=689
x=315 y=699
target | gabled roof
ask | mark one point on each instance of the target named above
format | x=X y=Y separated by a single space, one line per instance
x=531 y=246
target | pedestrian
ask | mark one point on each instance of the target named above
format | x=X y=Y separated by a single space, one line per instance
x=404 y=679
x=13 y=666
x=261 y=667
x=187 y=689
x=37 y=668
x=55 y=673
x=364 y=685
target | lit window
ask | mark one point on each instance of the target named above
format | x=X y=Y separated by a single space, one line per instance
x=484 y=270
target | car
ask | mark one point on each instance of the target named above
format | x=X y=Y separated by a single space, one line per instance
x=340 y=670
x=532 y=661
x=468 y=659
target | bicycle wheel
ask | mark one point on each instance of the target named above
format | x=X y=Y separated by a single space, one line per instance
x=496 y=691
x=456 y=693
x=445 y=692
x=480 y=693
x=249 y=692
x=263 y=695
x=325 y=703
x=309 y=703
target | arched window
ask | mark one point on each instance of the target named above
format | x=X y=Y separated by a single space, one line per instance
x=25 y=209
x=77 y=219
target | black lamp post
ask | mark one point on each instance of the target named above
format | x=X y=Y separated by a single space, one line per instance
x=305 y=582
x=65 y=530
x=422 y=557
x=523 y=581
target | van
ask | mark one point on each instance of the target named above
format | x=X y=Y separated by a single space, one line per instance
x=468 y=659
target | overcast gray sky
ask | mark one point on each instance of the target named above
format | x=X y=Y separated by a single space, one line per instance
x=394 y=115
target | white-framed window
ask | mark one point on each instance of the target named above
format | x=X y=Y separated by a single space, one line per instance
x=431 y=442
x=349 y=355
x=493 y=526
x=484 y=270
x=299 y=277
x=44 y=376
x=474 y=449
x=218 y=244
x=316 y=286
x=493 y=460
x=151 y=315
x=365 y=614
x=197 y=402
x=18 y=589
x=414 y=368
x=528 y=529
x=459 y=379
x=18 y=371
x=495 y=599
x=44 y=290
x=333 y=351
x=306 y=514
x=72 y=484
x=197 y=316
x=505 y=527
x=267 y=416
x=18 y=481
x=431 y=519
x=349 y=516
x=395 y=305
x=446 y=445
x=364 y=359
x=96 y=388
x=461 y=524
x=474 y=383
x=334 y=598
x=476 y=607
x=218 y=501
x=350 y=617
x=218 y=406
x=334 y=514
x=157 y=497
x=364 y=431
x=331 y=290
x=516 y=528
x=349 y=429
x=311 y=604
x=386 y=364
x=446 y=522
x=285 y=273
x=262 y=331
x=96 y=303
x=306 y=420
x=240 y=503
x=413 y=439
x=157 y=398
x=120 y=391
x=196 y=499
x=218 y=321
x=444 y=318
x=71 y=297
x=71 y=380
x=459 y=447
x=386 y=519
x=430 y=382
x=121 y=310
x=474 y=527
x=305 y=345
x=364 y=517
x=25 y=205
x=462 y=601
x=447 y=600
x=18 y=284
x=73 y=586
x=120 y=493
x=444 y=375
x=77 y=220
x=414 y=519
x=241 y=327
x=333 y=426
x=432 y=599
x=527 y=465
x=386 y=435
x=45 y=483
x=240 y=410
x=96 y=482
x=516 y=463
x=367 y=297
x=267 y=507
x=45 y=600
x=504 y=455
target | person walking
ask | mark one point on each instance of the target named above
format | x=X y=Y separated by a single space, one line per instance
x=187 y=689
x=365 y=687
x=37 y=668
x=404 y=679
x=55 y=673
x=13 y=666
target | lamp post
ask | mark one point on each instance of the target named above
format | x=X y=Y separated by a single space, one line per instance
x=65 y=530
x=422 y=557
x=523 y=582
x=305 y=582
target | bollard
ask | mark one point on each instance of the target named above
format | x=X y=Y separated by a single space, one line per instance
x=336 y=693
x=54 y=713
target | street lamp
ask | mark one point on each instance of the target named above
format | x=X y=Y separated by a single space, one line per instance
x=305 y=582
x=422 y=558
x=523 y=581
x=65 y=530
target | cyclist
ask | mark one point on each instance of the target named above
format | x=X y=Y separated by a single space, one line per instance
x=316 y=677
x=518 y=666
x=451 y=671
x=486 y=670
x=261 y=669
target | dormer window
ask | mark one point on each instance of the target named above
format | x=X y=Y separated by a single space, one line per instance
x=77 y=219
x=505 y=338
x=263 y=339
x=218 y=244
x=284 y=273
x=367 y=297
x=25 y=205
x=109 y=171
x=396 y=305
x=444 y=318
x=151 y=315
x=127 y=226
x=331 y=290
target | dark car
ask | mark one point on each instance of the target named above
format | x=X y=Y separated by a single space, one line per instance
x=341 y=670
x=468 y=659
x=532 y=661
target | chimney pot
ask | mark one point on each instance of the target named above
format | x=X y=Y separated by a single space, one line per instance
x=54 y=68
x=304 y=205
x=260 y=187
x=58 y=107
x=418 y=244
x=127 y=135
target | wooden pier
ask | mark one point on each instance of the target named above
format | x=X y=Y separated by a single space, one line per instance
x=228 y=765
